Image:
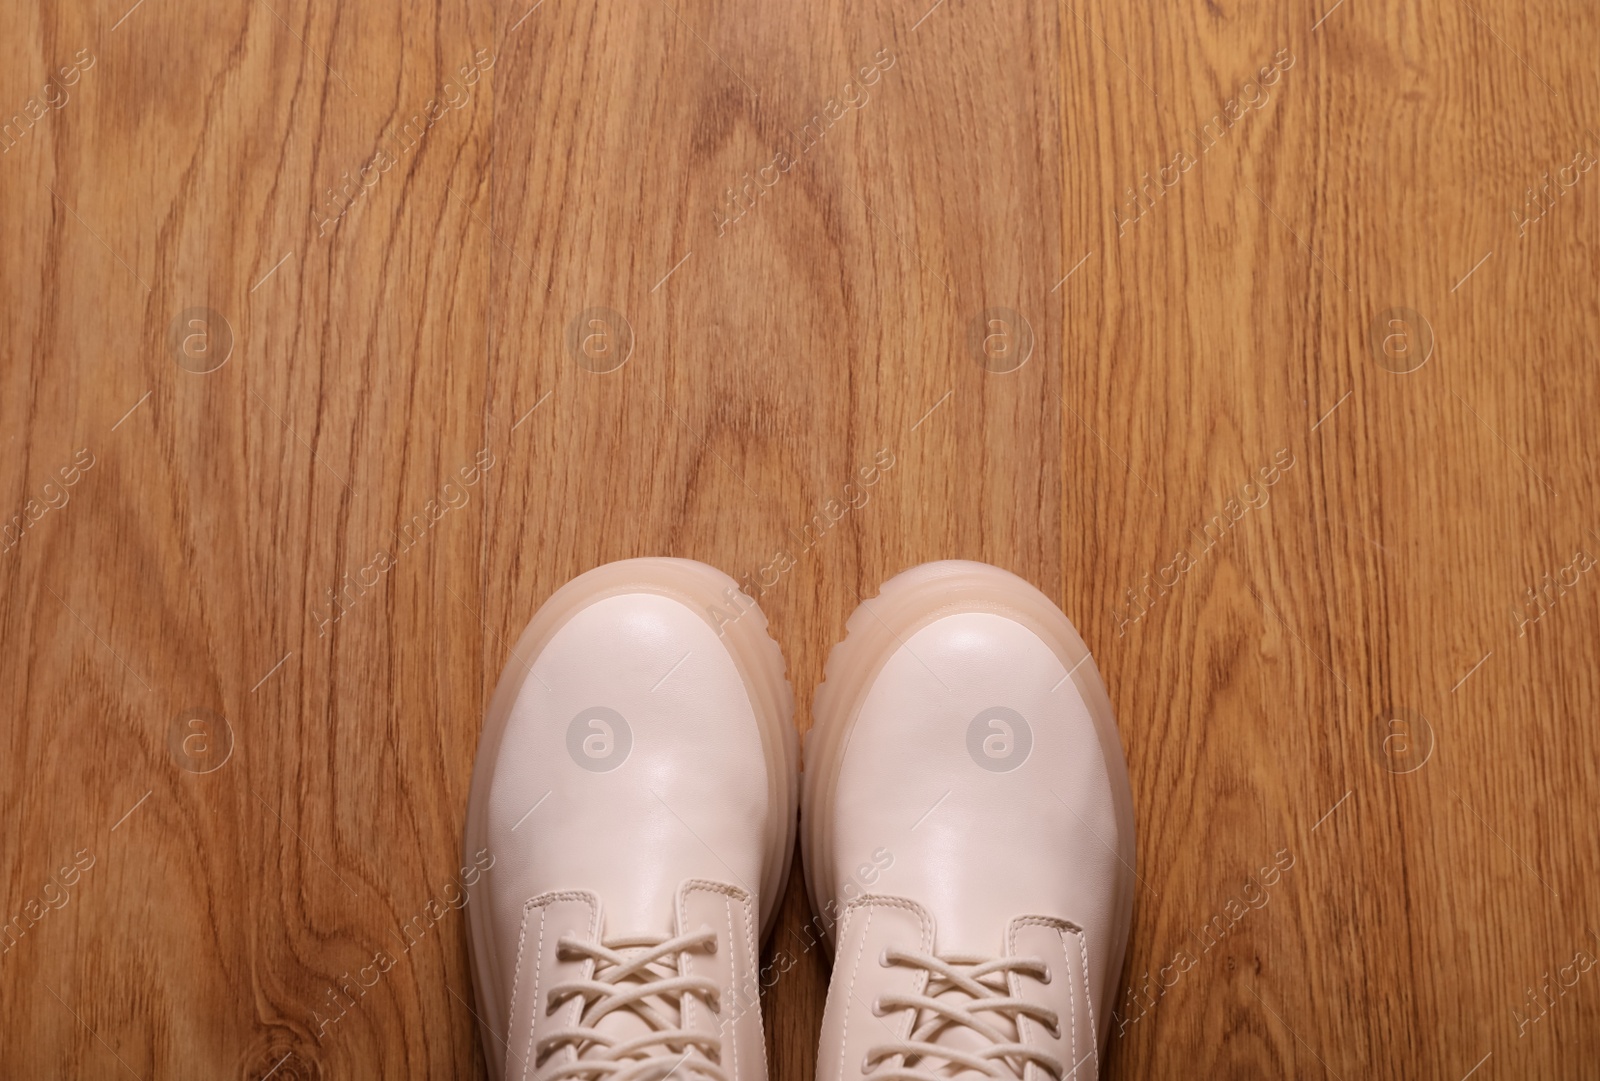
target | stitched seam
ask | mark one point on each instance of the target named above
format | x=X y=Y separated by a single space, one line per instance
x=733 y=979
x=849 y=995
x=1088 y=1001
x=574 y=1009
x=1066 y=963
x=872 y=900
x=685 y=962
x=543 y=901
x=919 y=980
x=729 y=894
x=1014 y=982
x=516 y=978
x=690 y=885
x=1050 y=922
x=589 y=967
x=538 y=971
x=1062 y=929
x=753 y=956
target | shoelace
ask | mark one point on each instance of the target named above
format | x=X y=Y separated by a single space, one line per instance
x=983 y=979
x=630 y=983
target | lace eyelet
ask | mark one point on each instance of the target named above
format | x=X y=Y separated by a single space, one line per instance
x=883 y=958
x=1045 y=979
x=877 y=1007
x=866 y=1064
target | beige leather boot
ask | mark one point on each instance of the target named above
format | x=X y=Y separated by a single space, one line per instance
x=968 y=836
x=634 y=800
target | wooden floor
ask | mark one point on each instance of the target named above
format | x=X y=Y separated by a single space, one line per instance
x=1261 y=337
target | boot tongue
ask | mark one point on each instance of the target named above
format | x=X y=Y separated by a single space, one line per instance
x=625 y=1024
x=963 y=1037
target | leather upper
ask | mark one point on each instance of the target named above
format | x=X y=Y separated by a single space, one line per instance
x=629 y=798
x=855 y=1023
x=540 y=967
x=974 y=764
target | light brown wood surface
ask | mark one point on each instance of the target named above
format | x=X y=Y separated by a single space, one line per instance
x=1300 y=570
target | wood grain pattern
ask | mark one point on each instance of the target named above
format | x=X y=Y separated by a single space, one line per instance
x=251 y=615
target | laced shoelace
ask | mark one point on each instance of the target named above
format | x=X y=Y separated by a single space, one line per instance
x=643 y=984
x=983 y=980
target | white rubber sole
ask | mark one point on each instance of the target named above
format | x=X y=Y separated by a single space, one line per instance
x=906 y=603
x=760 y=663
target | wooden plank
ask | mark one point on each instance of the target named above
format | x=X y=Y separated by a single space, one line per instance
x=1268 y=672
x=186 y=576
x=1276 y=541
x=793 y=220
